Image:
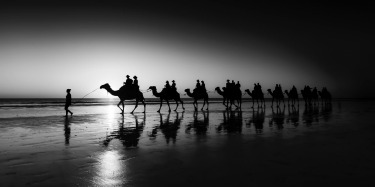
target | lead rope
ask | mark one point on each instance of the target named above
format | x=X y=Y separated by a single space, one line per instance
x=86 y=95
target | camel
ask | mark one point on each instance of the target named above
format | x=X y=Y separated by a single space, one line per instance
x=230 y=97
x=167 y=95
x=256 y=96
x=276 y=96
x=196 y=96
x=126 y=94
x=306 y=94
x=293 y=96
x=315 y=96
x=325 y=97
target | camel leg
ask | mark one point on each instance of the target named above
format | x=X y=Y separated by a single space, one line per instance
x=123 y=107
x=144 y=105
x=118 y=105
x=136 y=105
x=161 y=103
x=272 y=102
x=169 y=110
x=207 y=103
x=182 y=103
x=176 y=105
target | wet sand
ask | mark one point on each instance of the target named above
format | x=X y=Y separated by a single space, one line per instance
x=322 y=146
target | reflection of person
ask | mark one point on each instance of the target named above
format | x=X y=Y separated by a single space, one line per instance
x=68 y=102
x=67 y=131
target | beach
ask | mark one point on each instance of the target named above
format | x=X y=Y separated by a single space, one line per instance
x=98 y=146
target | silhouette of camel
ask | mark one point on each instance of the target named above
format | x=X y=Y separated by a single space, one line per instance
x=292 y=96
x=167 y=95
x=315 y=96
x=230 y=97
x=325 y=98
x=196 y=96
x=277 y=97
x=125 y=93
x=257 y=97
x=306 y=96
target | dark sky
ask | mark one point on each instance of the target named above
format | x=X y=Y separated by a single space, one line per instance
x=337 y=39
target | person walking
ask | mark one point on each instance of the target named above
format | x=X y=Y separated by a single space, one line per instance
x=68 y=102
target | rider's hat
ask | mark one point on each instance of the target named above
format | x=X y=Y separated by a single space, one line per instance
x=68 y=90
x=135 y=77
x=127 y=76
x=172 y=80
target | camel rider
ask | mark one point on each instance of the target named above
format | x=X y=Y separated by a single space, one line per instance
x=203 y=86
x=128 y=81
x=228 y=85
x=135 y=83
x=167 y=86
x=238 y=85
x=174 y=85
x=197 y=87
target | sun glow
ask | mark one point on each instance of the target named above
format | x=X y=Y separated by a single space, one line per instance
x=110 y=171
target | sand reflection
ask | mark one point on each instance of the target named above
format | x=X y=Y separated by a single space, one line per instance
x=111 y=169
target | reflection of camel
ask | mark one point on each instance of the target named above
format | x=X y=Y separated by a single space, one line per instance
x=275 y=96
x=230 y=97
x=292 y=96
x=167 y=95
x=196 y=96
x=256 y=96
x=125 y=93
x=169 y=130
x=310 y=115
x=293 y=115
x=232 y=123
x=258 y=119
x=278 y=118
x=128 y=136
x=200 y=126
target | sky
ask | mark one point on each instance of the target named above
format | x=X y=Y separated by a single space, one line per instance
x=47 y=47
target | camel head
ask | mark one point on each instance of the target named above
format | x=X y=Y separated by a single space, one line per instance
x=269 y=90
x=217 y=88
x=187 y=90
x=106 y=85
x=286 y=91
x=247 y=90
x=152 y=88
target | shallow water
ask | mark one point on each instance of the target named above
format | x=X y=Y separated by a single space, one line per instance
x=98 y=146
